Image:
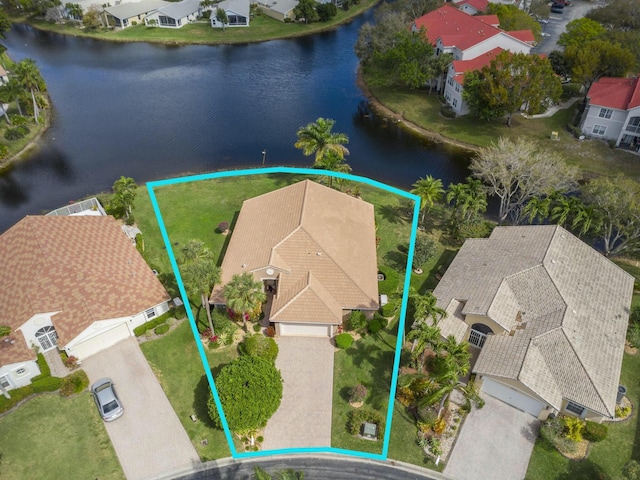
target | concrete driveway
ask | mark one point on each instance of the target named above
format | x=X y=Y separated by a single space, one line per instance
x=557 y=24
x=495 y=443
x=304 y=416
x=148 y=439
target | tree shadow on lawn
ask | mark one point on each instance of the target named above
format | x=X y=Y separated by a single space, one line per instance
x=395 y=213
x=584 y=470
x=396 y=259
x=380 y=378
x=201 y=395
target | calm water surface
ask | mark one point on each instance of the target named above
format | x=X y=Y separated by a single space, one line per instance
x=150 y=111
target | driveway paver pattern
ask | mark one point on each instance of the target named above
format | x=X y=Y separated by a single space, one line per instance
x=495 y=443
x=304 y=416
x=148 y=439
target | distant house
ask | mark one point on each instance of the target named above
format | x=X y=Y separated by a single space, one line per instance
x=4 y=76
x=467 y=38
x=72 y=283
x=613 y=112
x=278 y=9
x=472 y=7
x=238 y=13
x=548 y=314
x=127 y=14
x=175 y=15
x=314 y=248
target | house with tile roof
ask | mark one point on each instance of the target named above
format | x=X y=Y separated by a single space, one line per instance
x=175 y=15
x=238 y=13
x=467 y=37
x=613 y=112
x=131 y=13
x=547 y=315
x=72 y=283
x=472 y=7
x=314 y=248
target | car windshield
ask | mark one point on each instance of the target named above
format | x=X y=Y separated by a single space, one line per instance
x=111 y=406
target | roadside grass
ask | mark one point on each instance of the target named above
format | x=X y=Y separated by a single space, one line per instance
x=593 y=157
x=55 y=437
x=176 y=363
x=368 y=361
x=607 y=458
x=261 y=28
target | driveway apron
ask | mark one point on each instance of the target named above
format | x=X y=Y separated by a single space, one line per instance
x=148 y=438
x=304 y=416
x=495 y=443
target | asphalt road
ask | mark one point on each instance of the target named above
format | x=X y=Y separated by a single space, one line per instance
x=315 y=467
x=558 y=22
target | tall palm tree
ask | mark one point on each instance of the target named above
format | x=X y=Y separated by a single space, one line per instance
x=29 y=77
x=244 y=294
x=13 y=90
x=430 y=191
x=317 y=138
x=537 y=209
x=334 y=163
x=425 y=308
x=199 y=273
x=125 y=190
x=423 y=336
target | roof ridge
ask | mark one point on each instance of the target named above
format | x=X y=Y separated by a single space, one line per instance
x=295 y=296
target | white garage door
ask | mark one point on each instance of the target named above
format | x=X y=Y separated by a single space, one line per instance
x=513 y=397
x=102 y=341
x=304 y=329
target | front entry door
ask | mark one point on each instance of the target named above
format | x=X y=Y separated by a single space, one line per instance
x=47 y=337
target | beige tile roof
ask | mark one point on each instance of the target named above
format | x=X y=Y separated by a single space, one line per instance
x=302 y=228
x=84 y=267
x=565 y=306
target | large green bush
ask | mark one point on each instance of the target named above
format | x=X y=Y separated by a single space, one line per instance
x=595 y=432
x=344 y=341
x=357 y=321
x=360 y=416
x=259 y=346
x=74 y=383
x=425 y=249
x=161 y=329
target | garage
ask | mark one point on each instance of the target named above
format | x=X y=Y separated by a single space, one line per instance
x=100 y=342
x=512 y=396
x=305 y=329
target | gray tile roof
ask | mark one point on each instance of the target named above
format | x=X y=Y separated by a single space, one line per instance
x=241 y=7
x=128 y=10
x=563 y=305
x=180 y=10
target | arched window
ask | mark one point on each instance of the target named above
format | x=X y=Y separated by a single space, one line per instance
x=47 y=337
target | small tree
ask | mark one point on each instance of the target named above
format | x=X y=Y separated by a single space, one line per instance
x=357 y=393
x=425 y=249
x=221 y=16
x=124 y=193
x=250 y=390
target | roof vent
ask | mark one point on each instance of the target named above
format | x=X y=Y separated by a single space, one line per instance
x=244 y=265
x=319 y=253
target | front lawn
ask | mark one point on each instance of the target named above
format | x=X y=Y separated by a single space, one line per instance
x=605 y=459
x=175 y=360
x=55 y=437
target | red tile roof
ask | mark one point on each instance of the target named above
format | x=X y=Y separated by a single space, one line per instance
x=479 y=5
x=463 y=66
x=84 y=267
x=523 y=35
x=456 y=28
x=618 y=93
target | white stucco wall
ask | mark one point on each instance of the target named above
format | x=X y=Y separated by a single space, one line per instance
x=614 y=125
x=35 y=323
x=18 y=378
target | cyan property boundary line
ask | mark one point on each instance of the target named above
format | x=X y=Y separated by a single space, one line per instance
x=403 y=310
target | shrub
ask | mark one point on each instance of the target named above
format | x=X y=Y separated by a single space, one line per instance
x=24 y=130
x=389 y=310
x=425 y=249
x=622 y=412
x=4 y=331
x=71 y=362
x=18 y=120
x=357 y=393
x=375 y=326
x=74 y=383
x=356 y=321
x=358 y=417
x=574 y=427
x=389 y=285
x=12 y=134
x=570 y=90
x=551 y=429
x=434 y=446
x=4 y=151
x=161 y=329
x=631 y=470
x=256 y=327
x=439 y=426
x=151 y=324
x=344 y=341
x=259 y=346
x=595 y=432
x=270 y=331
x=223 y=227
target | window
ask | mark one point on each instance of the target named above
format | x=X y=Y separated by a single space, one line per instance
x=47 y=337
x=575 y=408
x=21 y=371
x=4 y=382
x=450 y=81
x=605 y=113
x=150 y=313
x=457 y=87
x=455 y=102
x=599 y=129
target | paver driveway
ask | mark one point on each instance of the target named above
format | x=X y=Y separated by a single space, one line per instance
x=304 y=416
x=495 y=443
x=148 y=438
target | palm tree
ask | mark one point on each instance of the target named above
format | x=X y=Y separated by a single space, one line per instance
x=317 y=138
x=29 y=77
x=13 y=90
x=430 y=191
x=425 y=308
x=125 y=190
x=334 y=163
x=537 y=209
x=244 y=294
x=199 y=273
x=423 y=336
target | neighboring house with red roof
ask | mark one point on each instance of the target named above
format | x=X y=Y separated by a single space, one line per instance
x=613 y=112
x=468 y=38
x=314 y=248
x=547 y=318
x=72 y=283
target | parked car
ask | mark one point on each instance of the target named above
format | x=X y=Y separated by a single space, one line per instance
x=106 y=398
x=557 y=9
x=557 y=5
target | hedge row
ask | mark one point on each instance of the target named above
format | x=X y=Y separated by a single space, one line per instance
x=151 y=324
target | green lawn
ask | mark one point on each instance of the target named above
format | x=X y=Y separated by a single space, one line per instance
x=592 y=156
x=175 y=360
x=607 y=458
x=55 y=437
x=261 y=28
